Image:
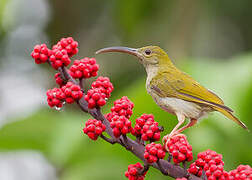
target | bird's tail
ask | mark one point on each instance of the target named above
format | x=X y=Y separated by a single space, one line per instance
x=232 y=117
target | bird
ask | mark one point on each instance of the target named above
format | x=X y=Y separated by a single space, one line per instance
x=175 y=91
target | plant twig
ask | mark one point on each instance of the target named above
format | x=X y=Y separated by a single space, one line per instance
x=145 y=169
x=164 y=171
x=111 y=141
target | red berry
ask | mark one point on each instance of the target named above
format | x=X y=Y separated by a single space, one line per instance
x=123 y=107
x=84 y=68
x=68 y=44
x=153 y=152
x=94 y=128
x=55 y=97
x=211 y=163
x=121 y=125
x=193 y=169
x=104 y=84
x=109 y=116
x=59 y=79
x=72 y=91
x=101 y=90
x=41 y=53
x=120 y=114
x=147 y=128
x=180 y=148
x=59 y=58
x=95 y=98
x=242 y=172
x=134 y=171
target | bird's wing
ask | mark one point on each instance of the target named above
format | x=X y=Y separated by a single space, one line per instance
x=174 y=83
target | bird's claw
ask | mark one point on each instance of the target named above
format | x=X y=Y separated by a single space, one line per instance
x=167 y=137
x=165 y=141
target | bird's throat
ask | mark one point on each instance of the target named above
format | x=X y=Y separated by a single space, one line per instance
x=151 y=71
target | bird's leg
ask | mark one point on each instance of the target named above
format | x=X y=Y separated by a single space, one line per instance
x=191 y=123
x=181 y=119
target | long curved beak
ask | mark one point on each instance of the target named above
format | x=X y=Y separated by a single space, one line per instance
x=127 y=50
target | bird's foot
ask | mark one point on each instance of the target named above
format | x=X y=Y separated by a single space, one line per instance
x=165 y=141
x=167 y=137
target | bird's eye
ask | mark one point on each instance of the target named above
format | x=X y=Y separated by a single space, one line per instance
x=147 y=52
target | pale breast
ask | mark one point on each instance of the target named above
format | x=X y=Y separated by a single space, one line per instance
x=179 y=106
x=151 y=72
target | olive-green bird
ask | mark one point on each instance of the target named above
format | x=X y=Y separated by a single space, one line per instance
x=173 y=90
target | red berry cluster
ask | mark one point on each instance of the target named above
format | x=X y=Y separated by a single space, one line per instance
x=121 y=125
x=41 y=54
x=147 y=128
x=100 y=91
x=59 y=55
x=134 y=170
x=211 y=163
x=140 y=122
x=153 y=152
x=72 y=92
x=59 y=58
x=119 y=116
x=95 y=98
x=122 y=107
x=58 y=79
x=109 y=116
x=104 y=84
x=242 y=172
x=69 y=44
x=94 y=128
x=84 y=68
x=179 y=148
x=55 y=97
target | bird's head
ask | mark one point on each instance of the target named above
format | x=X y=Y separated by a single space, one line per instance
x=148 y=56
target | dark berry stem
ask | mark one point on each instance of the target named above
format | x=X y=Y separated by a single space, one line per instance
x=111 y=141
x=145 y=169
x=67 y=75
x=169 y=158
x=82 y=84
x=125 y=142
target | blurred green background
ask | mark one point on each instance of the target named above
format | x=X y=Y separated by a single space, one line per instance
x=210 y=40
